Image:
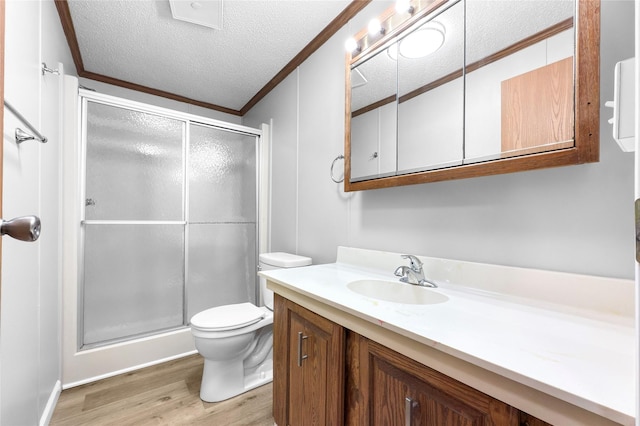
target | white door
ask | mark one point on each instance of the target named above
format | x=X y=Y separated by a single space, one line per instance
x=29 y=332
x=19 y=346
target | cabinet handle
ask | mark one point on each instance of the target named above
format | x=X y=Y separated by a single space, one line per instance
x=301 y=337
x=409 y=405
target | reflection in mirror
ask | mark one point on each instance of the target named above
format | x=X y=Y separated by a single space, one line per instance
x=373 y=118
x=519 y=78
x=431 y=93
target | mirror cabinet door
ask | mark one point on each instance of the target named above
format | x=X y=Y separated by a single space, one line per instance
x=519 y=78
x=431 y=92
x=373 y=118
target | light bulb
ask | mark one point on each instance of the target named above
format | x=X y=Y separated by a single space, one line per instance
x=375 y=27
x=351 y=45
x=404 y=6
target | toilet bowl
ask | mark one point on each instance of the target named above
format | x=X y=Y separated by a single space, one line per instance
x=236 y=341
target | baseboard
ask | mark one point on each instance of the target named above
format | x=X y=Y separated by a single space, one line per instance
x=126 y=370
x=51 y=404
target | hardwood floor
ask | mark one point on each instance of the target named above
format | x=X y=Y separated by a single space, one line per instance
x=165 y=394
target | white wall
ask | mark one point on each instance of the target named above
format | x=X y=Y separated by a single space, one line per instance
x=308 y=210
x=577 y=218
x=281 y=107
x=29 y=327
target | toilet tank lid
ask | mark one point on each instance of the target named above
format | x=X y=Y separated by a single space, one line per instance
x=284 y=260
x=228 y=317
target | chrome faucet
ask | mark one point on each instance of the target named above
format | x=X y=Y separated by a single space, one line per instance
x=413 y=274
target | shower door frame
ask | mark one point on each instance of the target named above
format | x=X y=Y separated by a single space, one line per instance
x=85 y=364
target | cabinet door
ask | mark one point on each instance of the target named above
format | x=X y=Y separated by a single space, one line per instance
x=529 y=420
x=398 y=398
x=386 y=388
x=308 y=367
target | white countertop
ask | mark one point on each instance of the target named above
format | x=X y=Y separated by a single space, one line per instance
x=585 y=358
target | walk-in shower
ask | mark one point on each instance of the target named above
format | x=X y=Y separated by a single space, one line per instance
x=168 y=220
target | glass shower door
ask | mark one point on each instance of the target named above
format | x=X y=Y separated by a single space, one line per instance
x=169 y=223
x=222 y=218
x=133 y=227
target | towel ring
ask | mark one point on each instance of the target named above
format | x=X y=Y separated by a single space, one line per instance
x=339 y=157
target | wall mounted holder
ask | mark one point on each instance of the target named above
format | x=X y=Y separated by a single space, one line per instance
x=47 y=70
x=20 y=134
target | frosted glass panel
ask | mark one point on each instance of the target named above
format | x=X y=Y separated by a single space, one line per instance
x=133 y=280
x=134 y=166
x=222 y=265
x=222 y=176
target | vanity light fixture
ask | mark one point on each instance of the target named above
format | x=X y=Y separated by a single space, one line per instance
x=377 y=28
x=420 y=43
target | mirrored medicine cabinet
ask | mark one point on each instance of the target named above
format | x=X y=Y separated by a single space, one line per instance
x=464 y=88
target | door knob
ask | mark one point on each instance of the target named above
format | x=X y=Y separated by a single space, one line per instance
x=25 y=228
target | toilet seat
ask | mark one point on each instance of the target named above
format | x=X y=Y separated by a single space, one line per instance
x=228 y=317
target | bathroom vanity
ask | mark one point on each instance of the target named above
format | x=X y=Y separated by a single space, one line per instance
x=497 y=345
x=381 y=386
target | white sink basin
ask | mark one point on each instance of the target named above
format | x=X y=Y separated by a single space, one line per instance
x=395 y=291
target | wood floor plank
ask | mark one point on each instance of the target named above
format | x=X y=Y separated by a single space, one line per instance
x=73 y=401
x=166 y=394
x=137 y=385
x=175 y=410
x=120 y=411
x=251 y=409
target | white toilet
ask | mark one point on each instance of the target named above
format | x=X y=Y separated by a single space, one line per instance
x=236 y=341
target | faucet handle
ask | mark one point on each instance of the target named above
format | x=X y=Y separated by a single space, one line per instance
x=401 y=271
x=415 y=263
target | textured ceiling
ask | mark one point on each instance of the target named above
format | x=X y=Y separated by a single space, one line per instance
x=138 y=41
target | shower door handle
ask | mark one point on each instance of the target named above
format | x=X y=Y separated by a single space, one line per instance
x=25 y=228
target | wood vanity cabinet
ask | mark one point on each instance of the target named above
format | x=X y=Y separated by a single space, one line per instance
x=308 y=379
x=324 y=374
x=387 y=388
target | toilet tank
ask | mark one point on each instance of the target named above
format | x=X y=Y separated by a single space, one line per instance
x=277 y=260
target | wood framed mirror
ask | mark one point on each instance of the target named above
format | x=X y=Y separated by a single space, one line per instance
x=510 y=86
